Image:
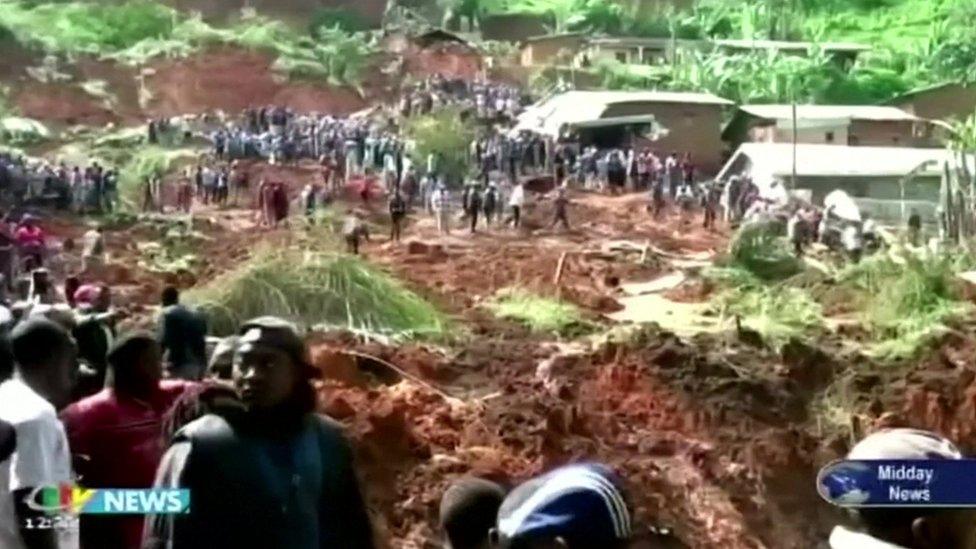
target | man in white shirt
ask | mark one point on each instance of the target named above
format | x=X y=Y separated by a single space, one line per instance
x=440 y=202
x=516 y=201
x=44 y=373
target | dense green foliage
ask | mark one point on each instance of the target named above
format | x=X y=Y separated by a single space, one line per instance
x=446 y=134
x=914 y=43
x=139 y=30
x=314 y=289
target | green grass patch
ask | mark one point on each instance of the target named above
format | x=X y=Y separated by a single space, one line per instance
x=760 y=249
x=538 y=313
x=318 y=289
x=778 y=312
x=908 y=302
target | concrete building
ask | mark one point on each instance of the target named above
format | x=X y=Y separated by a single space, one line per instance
x=584 y=50
x=941 y=102
x=688 y=122
x=514 y=27
x=553 y=49
x=845 y=53
x=852 y=125
x=886 y=182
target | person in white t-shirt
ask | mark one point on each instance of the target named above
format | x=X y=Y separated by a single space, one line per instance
x=44 y=356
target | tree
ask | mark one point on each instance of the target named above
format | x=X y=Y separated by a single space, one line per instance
x=445 y=133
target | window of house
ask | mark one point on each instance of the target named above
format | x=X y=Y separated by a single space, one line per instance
x=622 y=56
x=829 y=137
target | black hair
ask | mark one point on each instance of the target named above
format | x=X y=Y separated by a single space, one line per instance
x=35 y=341
x=129 y=348
x=170 y=296
x=469 y=509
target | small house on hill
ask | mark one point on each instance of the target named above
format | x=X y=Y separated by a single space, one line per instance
x=887 y=182
x=683 y=122
x=514 y=27
x=560 y=49
x=852 y=125
x=845 y=53
x=947 y=101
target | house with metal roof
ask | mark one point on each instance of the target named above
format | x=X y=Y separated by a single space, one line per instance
x=674 y=121
x=946 y=101
x=887 y=182
x=582 y=50
x=853 y=125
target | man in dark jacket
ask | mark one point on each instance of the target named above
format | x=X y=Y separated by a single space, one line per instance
x=275 y=475
x=398 y=209
x=474 y=207
x=183 y=336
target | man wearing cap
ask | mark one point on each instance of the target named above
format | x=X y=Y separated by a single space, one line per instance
x=574 y=507
x=115 y=435
x=907 y=527
x=275 y=475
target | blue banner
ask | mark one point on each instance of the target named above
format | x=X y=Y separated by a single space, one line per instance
x=899 y=483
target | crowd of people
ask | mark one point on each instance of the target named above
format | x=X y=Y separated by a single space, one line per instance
x=91 y=189
x=264 y=470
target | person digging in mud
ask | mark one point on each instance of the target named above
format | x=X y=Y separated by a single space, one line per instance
x=398 y=210
x=234 y=465
x=468 y=511
x=907 y=527
x=579 y=506
x=354 y=229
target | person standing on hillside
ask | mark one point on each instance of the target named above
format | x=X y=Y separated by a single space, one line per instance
x=441 y=204
x=274 y=474
x=515 y=202
x=474 y=207
x=560 y=203
x=183 y=337
x=490 y=203
x=398 y=210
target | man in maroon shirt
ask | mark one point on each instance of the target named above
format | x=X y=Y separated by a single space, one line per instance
x=115 y=436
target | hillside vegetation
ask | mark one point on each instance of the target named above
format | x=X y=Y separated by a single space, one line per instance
x=137 y=31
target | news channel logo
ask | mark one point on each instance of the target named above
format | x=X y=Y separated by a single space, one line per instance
x=74 y=499
x=842 y=483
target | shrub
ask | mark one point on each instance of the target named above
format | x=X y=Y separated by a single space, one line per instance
x=317 y=289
